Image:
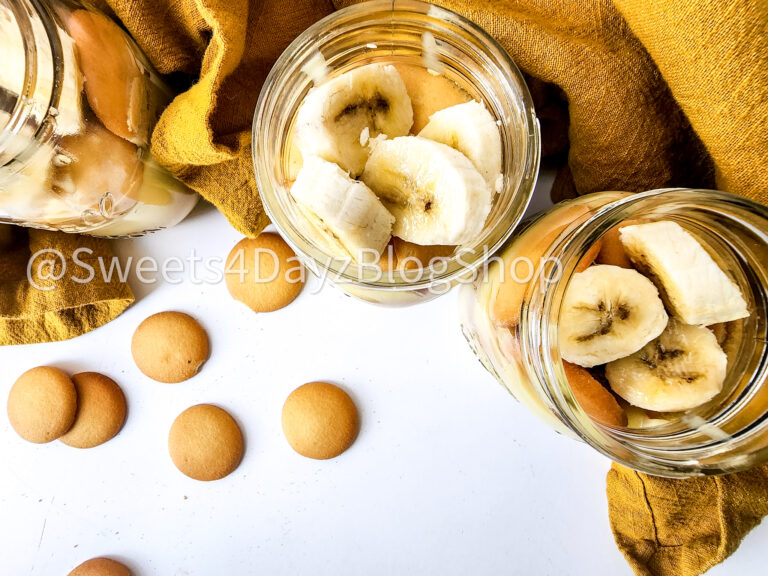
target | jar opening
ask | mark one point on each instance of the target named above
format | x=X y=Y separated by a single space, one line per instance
x=387 y=32
x=74 y=154
x=728 y=432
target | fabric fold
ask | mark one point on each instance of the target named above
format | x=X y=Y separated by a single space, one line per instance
x=41 y=299
x=674 y=527
x=204 y=136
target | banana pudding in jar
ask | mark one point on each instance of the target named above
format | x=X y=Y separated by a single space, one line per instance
x=637 y=323
x=395 y=149
x=78 y=102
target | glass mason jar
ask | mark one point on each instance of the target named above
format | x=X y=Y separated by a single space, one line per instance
x=396 y=32
x=78 y=102
x=727 y=433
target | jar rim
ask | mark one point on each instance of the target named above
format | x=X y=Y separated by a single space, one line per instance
x=540 y=333
x=36 y=25
x=467 y=259
x=16 y=72
x=25 y=68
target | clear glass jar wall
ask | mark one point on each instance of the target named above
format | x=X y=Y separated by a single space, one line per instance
x=78 y=102
x=393 y=33
x=727 y=433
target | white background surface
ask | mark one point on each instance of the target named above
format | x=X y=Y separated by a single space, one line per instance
x=448 y=476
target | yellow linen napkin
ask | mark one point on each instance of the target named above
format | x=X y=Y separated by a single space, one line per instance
x=204 y=135
x=46 y=310
x=683 y=527
x=713 y=55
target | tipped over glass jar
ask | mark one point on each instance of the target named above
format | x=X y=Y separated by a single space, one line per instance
x=637 y=323
x=78 y=102
x=395 y=148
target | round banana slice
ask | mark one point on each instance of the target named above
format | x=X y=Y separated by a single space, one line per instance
x=470 y=129
x=435 y=193
x=335 y=114
x=608 y=313
x=93 y=163
x=348 y=218
x=681 y=369
x=639 y=418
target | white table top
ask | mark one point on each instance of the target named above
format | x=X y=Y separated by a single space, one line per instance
x=449 y=474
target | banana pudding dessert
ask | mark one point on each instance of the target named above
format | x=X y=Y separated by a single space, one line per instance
x=382 y=159
x=395 y=149
x=634 y=321
x=78 y=102
x=649 y=329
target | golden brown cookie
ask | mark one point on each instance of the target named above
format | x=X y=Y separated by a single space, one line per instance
x=100 y=411
x=170 y=347
x=414 y=256
x=42 y=404
x=593 y=397
x=115 y=87
x=429 y=93
x=589 y=256
x=205 y=443
x=276 y=283
x=320 y=420
x=100 y=567
x=529 y=248
x=388 y=258
x=612 y=251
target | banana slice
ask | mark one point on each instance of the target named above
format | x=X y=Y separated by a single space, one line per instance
x=346 y=213
x=696 y=288
x=89 y=165
x=639 y=418
x=680 y=370
x=470 y=129
x=334 y=114
x=528 y=248
x=608 y=313
x=434 y=191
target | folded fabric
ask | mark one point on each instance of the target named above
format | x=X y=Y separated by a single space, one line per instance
x=204 y=135
x=713 y=55
x=683 y=527
x=40 y=298
x=627 y=129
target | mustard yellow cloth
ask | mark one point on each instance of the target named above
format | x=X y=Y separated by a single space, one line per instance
x=47 y=310
x=204 y=135
x=683 y=527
